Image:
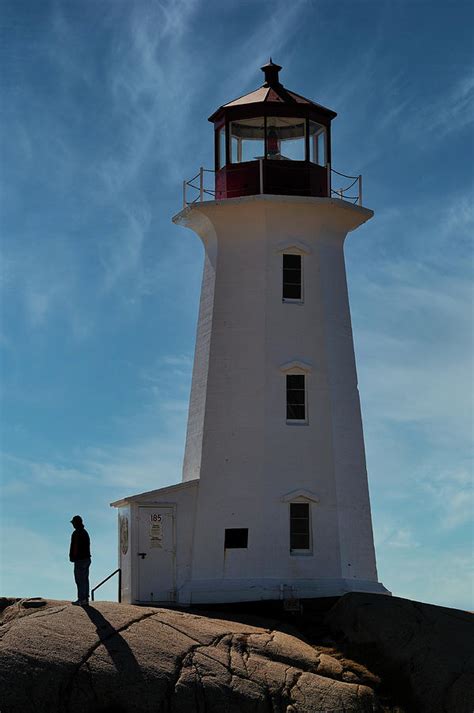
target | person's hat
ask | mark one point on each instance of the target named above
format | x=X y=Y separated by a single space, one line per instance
x=77 y=519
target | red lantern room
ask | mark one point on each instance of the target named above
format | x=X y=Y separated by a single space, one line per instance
x=272 y=141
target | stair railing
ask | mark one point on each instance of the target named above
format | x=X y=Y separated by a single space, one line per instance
x=119 y=571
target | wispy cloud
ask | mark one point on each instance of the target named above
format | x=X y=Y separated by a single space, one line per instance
x=121 y=252
x=107 y=169
x=412 y=316
x=452 y=494
x=413 y=320
x=435 y=119
x=437 y=576
x=153 y=78
x=170 y=374
x=396 y=535
x=142 y=464
x=403 y=378
x=23 y=471
x=136 y=148
x=43 y=284
x=270 y=34
x=150 y=455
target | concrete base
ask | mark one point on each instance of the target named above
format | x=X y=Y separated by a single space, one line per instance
x=231 y=591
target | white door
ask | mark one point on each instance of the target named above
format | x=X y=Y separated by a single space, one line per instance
x=156 y=554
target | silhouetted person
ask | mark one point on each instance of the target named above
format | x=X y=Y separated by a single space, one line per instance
x=80 y=554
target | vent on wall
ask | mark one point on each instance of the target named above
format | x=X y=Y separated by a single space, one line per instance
x=236 y=538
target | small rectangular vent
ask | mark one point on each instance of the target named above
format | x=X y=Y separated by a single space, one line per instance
x=236 y=538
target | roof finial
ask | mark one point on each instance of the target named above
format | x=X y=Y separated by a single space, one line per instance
x=270 y=71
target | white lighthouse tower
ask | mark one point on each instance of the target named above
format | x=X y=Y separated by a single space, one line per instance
x=274 y=497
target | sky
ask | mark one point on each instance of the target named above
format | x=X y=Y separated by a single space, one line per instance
x=104 y=110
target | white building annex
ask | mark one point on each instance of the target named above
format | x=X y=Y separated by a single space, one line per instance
x=274 y=499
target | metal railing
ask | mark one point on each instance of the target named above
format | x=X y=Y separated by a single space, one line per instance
x=119 y=571
x=202 y=191
x=342 y=192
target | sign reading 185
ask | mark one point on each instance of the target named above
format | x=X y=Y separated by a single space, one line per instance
x=154 y=517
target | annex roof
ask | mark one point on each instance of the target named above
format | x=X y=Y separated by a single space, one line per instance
x=149 y=495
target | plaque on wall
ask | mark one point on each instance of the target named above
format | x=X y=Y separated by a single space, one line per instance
x=124 y=534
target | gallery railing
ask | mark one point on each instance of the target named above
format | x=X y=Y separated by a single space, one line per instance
x=355 y=187
x=197 y=189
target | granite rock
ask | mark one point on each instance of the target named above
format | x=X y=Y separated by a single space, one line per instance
x=60 y=658
x=426 y=651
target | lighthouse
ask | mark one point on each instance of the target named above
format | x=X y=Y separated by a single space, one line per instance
x=274 y=498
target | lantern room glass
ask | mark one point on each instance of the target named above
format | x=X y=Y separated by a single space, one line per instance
x=247 y=139
x=221 y=147
x=317 y=143
x=286 y=138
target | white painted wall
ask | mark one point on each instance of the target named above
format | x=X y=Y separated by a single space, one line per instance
x=182 y=498
x=197 y=402
x=238 y=440
x=243 y=462
x=124 y=559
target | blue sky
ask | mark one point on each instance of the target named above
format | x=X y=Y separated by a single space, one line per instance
x=104 y=110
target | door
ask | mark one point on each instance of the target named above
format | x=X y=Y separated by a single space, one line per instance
x=156 y=554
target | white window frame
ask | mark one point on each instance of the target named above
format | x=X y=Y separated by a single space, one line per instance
x=294 y=247
x=301 y=552
x=301 y=495
x=297 y=420
x=290 y=300
x=240 y=140
x=323 y=130
x=221 y=159
x=297 y=368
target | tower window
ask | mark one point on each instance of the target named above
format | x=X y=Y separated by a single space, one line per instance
x=286 y=138
x=221 y=145
x=236 y=538
x=292 y=274
x=317 y=143
x=295 y=397
x=247 y=139
x=299 y=527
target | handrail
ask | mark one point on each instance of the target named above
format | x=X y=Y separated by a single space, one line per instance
x=203 y=192
x=341 y=192
x=106 y=580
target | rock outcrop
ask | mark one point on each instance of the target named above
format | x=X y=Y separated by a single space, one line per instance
x=425 y=649
x=368 y=654
x=129 y=659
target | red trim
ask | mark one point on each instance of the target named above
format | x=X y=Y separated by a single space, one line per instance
x=288 y=178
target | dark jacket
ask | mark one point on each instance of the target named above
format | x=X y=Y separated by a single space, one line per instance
x=80 y=548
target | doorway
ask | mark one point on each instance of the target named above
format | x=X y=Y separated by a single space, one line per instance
x=156 y=554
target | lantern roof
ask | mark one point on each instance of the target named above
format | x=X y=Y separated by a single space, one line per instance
x=272 y=94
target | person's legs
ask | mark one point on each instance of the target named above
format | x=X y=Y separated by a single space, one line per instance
x=77 y=577
x=81 y=575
